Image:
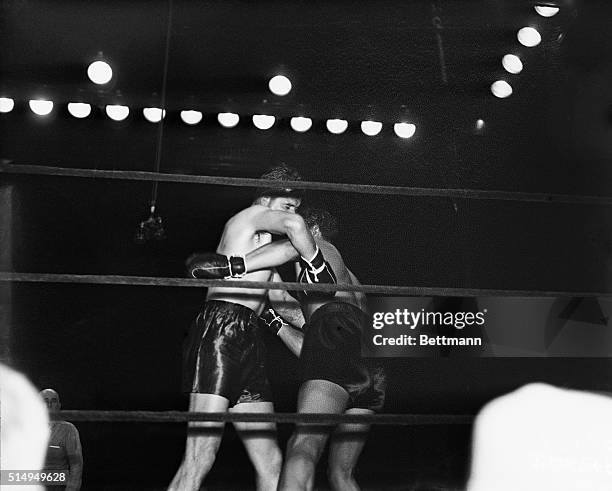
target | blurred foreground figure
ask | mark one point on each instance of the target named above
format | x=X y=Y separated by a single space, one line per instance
x=24 y=426
x=541 y=438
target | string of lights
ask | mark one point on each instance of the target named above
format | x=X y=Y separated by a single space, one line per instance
x=101 y=73
x=528 y=37
x=190 y=117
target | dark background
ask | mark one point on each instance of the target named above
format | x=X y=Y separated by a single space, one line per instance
x=118 y=347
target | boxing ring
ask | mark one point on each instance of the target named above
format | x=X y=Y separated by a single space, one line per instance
x=385 y=419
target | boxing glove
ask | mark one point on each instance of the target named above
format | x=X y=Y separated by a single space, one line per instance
x=271 y=320
x=213 y=265
x=317 y=270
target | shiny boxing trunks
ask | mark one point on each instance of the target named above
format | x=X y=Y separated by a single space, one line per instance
x=223 y=354
x=332 y=351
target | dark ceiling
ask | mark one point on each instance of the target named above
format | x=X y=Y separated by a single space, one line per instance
x=369 y=60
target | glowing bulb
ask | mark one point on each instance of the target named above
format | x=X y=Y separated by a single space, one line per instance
x=529 y=37
x=301 y=124
x=336 y=126
x=79 y=109
x=371 y=128
x=100 y=72
x=191 y=117
x=546 y=11
x=41 y=108
x=263 y=121
x=480 y=124
x=6 y=104
x=228 y=120
x=154 y=114
x=501 y=89
x=117 y=112
x=512 y=64
x=280 y=85
x=404 y=130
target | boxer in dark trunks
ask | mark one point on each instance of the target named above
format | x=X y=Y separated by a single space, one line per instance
x=335 y=376
x=223 y=353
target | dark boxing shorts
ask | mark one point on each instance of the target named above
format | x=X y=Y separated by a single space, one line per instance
x=223 y=354
x=332 y=351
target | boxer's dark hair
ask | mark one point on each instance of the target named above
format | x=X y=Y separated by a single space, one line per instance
x=327 y=223
x=279 y=174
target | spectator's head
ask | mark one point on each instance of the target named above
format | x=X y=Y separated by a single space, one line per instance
x=52 y=400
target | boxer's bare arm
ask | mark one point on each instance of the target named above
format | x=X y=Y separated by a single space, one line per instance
x=333 y=257
x=289 y=309
x=271 y=255
x=354 y=279
x=282 y=251
x=284 y=223
x=360 y=297
x=287 y=306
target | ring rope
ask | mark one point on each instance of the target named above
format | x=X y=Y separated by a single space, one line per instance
x=227 y=417
x=417 y=291
x=314 y=185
